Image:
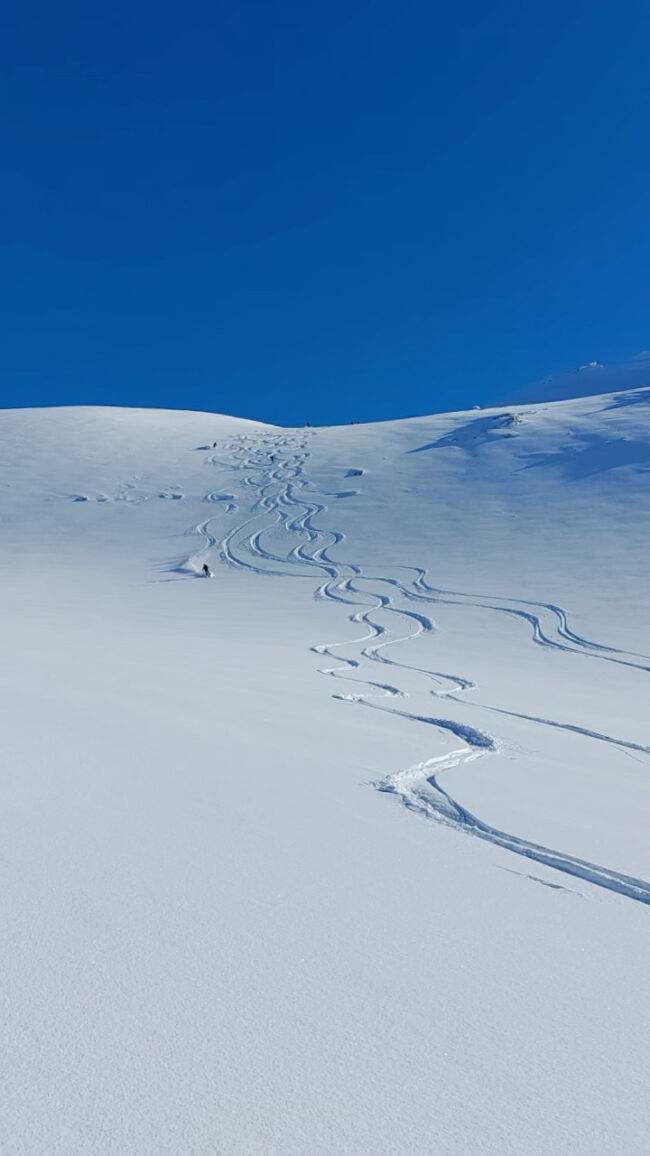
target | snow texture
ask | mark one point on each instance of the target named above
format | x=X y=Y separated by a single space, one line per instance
x=344 y=851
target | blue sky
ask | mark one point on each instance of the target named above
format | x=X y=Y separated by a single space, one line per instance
x=319 y=211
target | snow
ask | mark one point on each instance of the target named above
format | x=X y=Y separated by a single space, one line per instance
x=344 y=851
x=589 y=379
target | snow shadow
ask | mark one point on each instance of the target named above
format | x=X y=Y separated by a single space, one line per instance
x=631 y=397
x=599 y=455
x=481 y=430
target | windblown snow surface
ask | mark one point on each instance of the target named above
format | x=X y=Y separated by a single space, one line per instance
x=344 y=851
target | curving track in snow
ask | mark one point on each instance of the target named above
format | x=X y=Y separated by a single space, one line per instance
x=280 y=536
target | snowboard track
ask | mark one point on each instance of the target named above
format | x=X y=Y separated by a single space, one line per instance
x=280 y=537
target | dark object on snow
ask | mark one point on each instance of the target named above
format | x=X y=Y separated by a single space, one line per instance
x=214 y=445
x=308 y=423
x=206 y=570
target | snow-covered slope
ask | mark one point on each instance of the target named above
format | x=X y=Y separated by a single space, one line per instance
x=587 y=380
x=344 y=851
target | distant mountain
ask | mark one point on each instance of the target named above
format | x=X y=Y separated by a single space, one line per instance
x=586 y=381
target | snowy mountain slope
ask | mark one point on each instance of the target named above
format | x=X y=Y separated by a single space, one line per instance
x=231 y=928
x=588 y=380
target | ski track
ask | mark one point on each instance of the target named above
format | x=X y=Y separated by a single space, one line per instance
x=285 y=504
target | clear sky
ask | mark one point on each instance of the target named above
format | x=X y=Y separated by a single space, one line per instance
x=302 y=210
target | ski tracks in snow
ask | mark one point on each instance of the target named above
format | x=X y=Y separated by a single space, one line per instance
x=280 y=535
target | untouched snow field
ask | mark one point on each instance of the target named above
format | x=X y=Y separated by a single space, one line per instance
x=344 y=851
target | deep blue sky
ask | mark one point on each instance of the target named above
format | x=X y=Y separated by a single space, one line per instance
x=313 y=210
